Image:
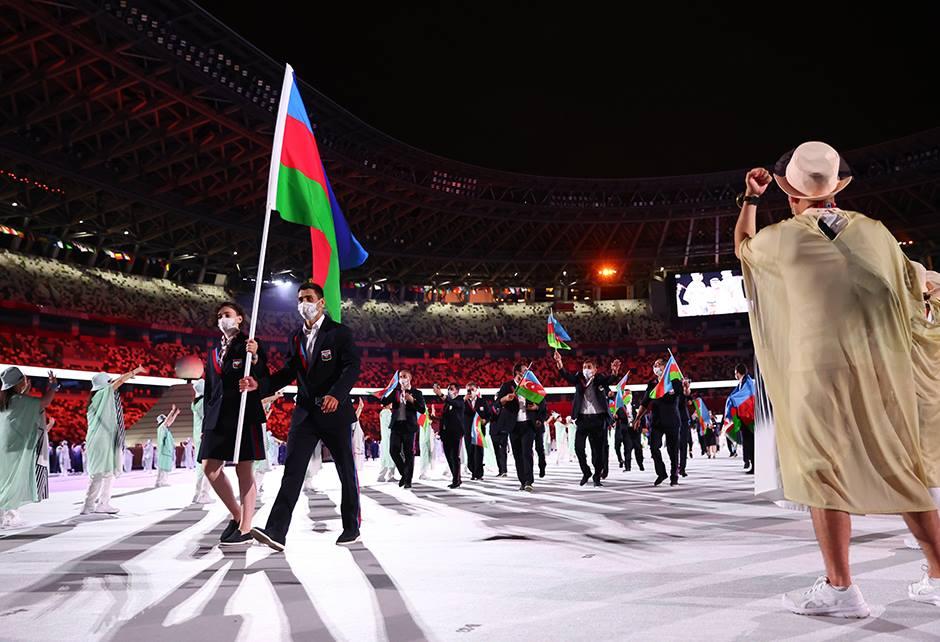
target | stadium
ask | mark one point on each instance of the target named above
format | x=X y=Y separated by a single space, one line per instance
x=135 y=157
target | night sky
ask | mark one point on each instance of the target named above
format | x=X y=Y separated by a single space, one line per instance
x=671 y=88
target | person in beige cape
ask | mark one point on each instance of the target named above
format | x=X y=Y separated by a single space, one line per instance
x=835 y=316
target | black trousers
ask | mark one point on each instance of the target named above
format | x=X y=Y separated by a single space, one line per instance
x=632 y=442
x=619 y=446
x=540 y=446
x=671 y=433
x=469 y=445
x=591 y=427
x=450 y=439
x=402 y=450
x=747 y=444
x=685 y=445
x=522 y=438
x=500 y=440
x=732 y=446
x=301 y=442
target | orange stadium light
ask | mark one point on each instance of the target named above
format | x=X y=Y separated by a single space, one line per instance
x=607 y=272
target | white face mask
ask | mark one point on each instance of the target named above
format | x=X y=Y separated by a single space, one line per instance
x=451 y=394
x=227 y=324
x=587 y=373
x=309 y=311
x=658 y=372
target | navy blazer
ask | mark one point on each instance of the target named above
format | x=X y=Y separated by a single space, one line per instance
x=331 y=369
x=222 y=397
x=411 y=409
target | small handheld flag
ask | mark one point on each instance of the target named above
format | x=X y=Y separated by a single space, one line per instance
x=704 y=417
x=556 y=334
x=476 y=431
x=530 y=388
x=670 y=373
x=624 y=396
x=424 y=420
x=387 y=390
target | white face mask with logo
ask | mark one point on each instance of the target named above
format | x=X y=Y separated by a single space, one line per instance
x=309 y=311
x=228 y=325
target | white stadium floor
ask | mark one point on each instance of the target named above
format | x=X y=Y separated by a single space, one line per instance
x=702 y=561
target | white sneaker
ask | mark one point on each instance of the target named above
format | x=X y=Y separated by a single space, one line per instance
x=823 y=599
x=912 y=543
x=87 y=510
x=203 y=499
x=927 y=590
x=107 y=509
x=381 y=478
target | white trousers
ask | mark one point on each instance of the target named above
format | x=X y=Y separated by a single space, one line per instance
x=99 y=491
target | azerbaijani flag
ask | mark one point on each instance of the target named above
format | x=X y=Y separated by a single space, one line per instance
x=624 y=396
x=612 y=406
x=299 y=190
x=670 y=373
x=476 y=431
x=530 y=388
x=739 y=409
x=556 y=334
x=704 y=417
x=392 y=384
x=424 y=420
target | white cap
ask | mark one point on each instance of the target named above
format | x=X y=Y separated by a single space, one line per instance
x=10 y=377
x=160 y=419
x=99 y=381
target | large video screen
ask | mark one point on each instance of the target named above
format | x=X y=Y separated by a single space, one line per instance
x=709 y=293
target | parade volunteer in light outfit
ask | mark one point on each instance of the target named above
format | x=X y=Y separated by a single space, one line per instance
x=264 y=466
x=225 y=365
x=63 y=453
x=201 y=493
x=834 y=314
x=166 y=447
x=22 y=426
x=105 y=440
x=147 y=457
x=387 y=470
x=359 y=439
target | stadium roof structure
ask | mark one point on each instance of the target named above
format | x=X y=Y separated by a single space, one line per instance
x=145 y=127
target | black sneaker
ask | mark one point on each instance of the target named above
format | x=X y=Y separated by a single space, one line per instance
x=673 y=482
x=261 y=535
x=641 y=467
x=231 y=529
x=598 y=484
x=683 y=474
x=659 y=480
x=238 y=539
x=456 y=485
x=541 y=471
x=585 y=479
x=528 y=488
x=401 y=482
x=348 y=537
x=406 y=485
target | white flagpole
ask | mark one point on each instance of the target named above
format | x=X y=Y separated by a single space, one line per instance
x=270 y=205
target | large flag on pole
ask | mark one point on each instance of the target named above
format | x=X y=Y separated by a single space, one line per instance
x=702 y=416
x=556 y=334
x=670 y=373
x=299 y=190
